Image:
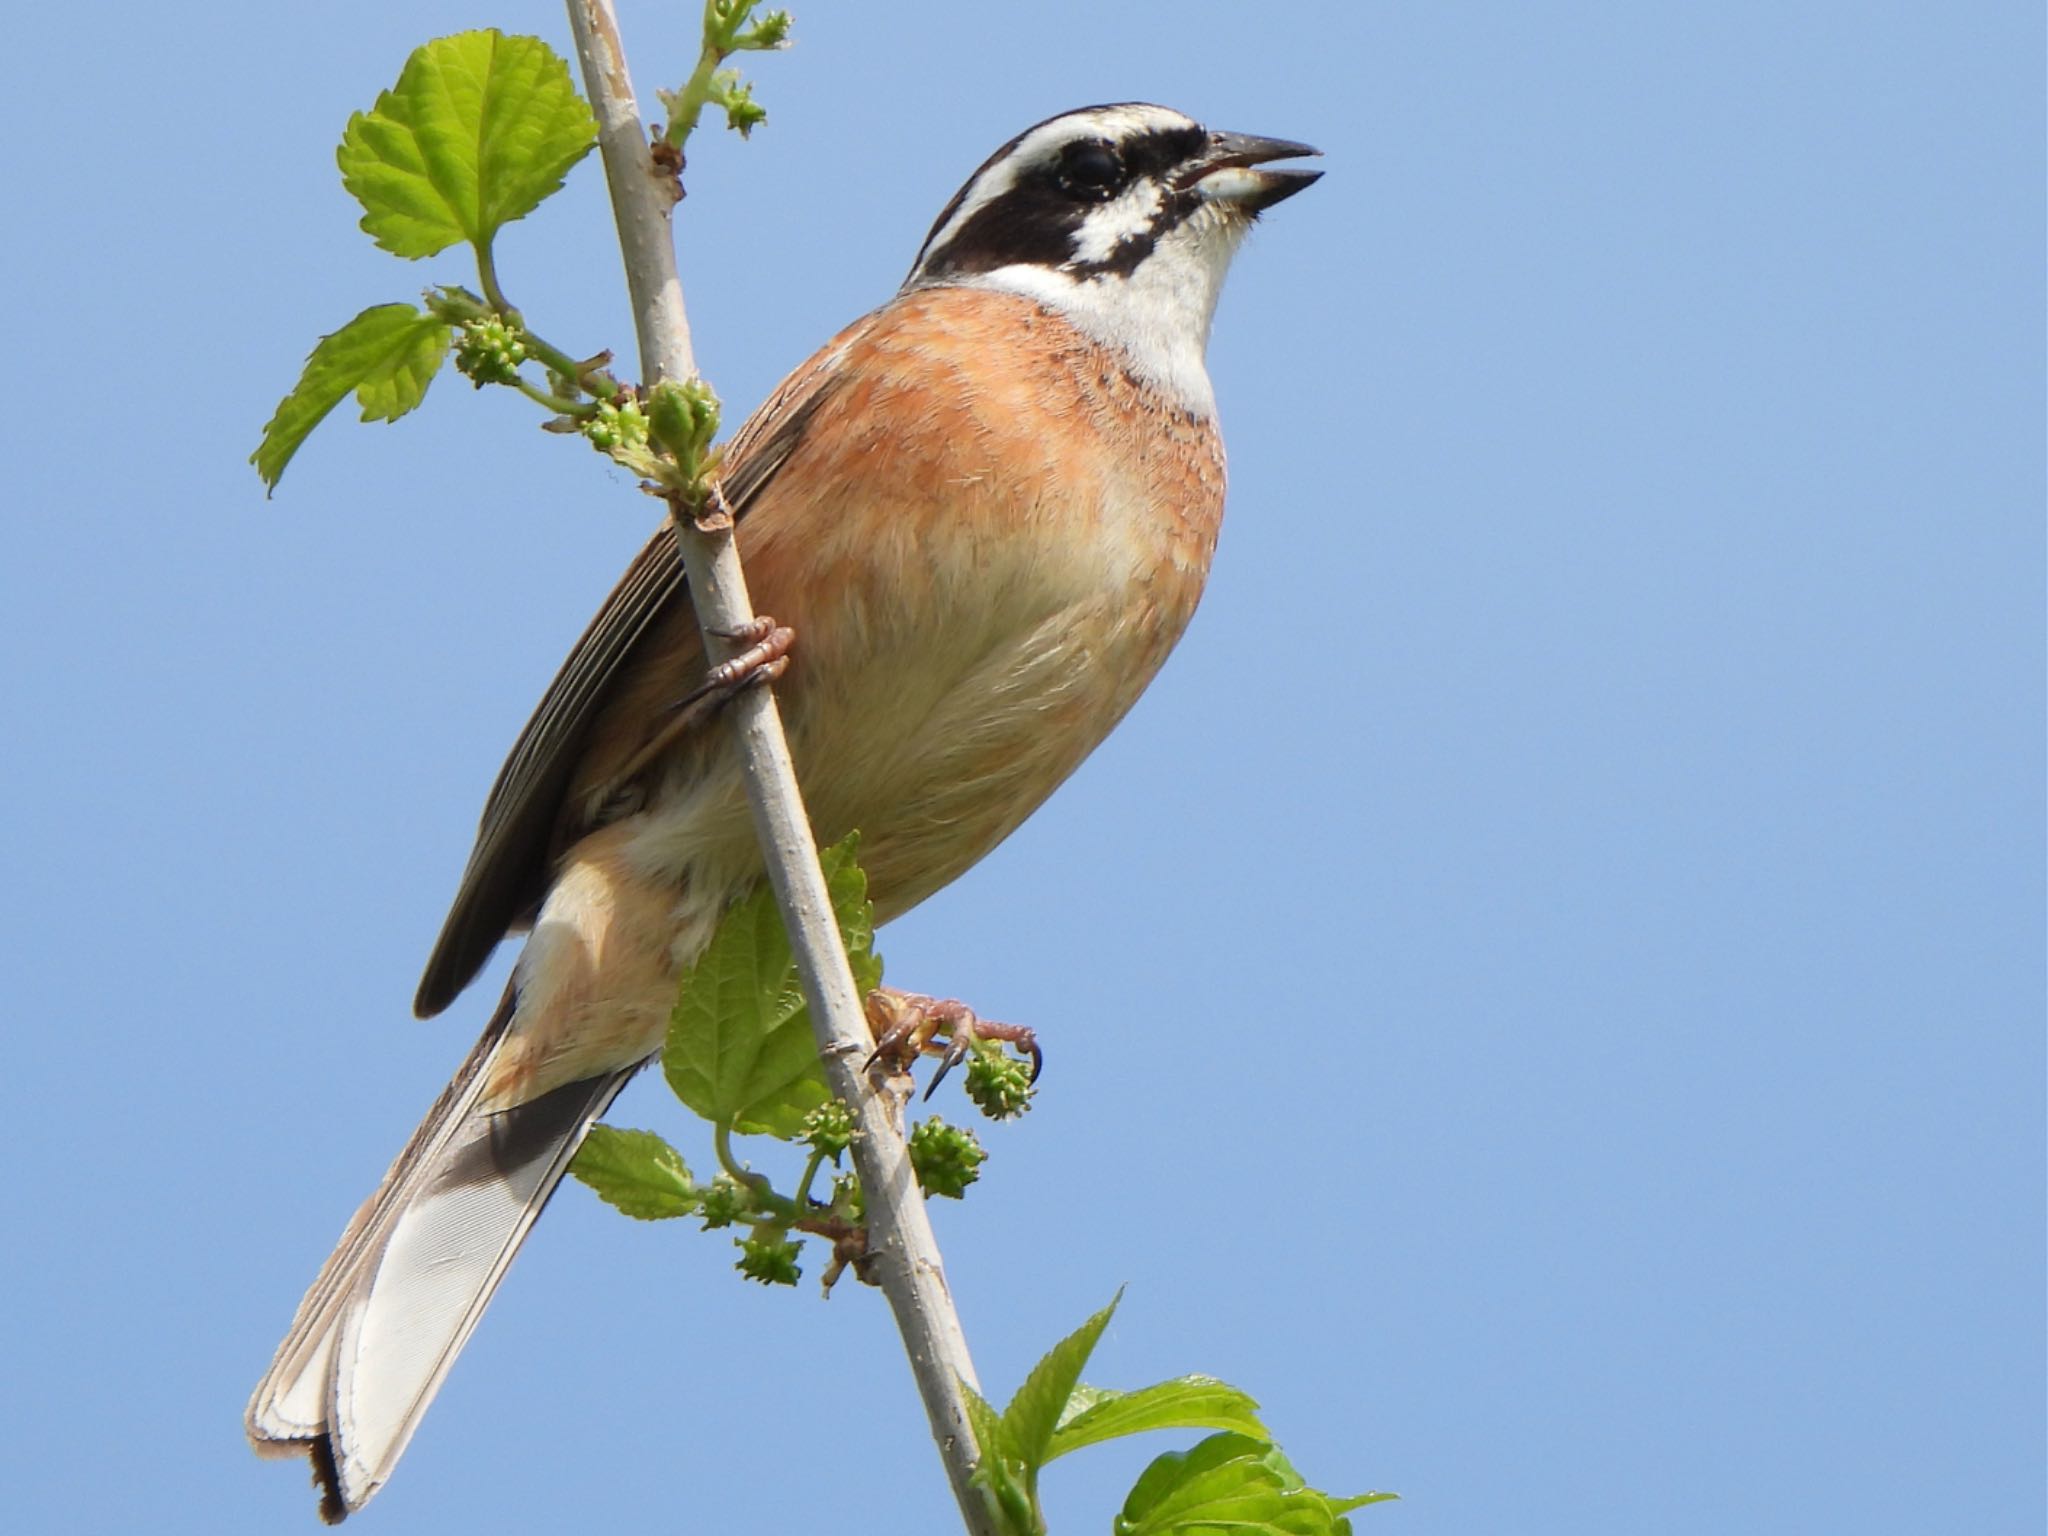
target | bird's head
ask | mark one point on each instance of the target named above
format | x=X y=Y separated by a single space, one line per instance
x=1124 y=219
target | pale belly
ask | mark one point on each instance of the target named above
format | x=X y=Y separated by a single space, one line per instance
x=933 y=758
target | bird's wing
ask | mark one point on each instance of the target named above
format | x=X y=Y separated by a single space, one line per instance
x=522 y=828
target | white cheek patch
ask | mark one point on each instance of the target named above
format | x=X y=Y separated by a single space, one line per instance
x=1139 y=278
x=1103 y=233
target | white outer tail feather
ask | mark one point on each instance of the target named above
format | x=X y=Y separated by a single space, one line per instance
x=413 y=1272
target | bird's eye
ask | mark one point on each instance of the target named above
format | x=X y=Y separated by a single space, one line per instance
x=1091 y=169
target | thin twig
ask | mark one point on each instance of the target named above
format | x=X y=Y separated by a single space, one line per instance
x=905 y=1254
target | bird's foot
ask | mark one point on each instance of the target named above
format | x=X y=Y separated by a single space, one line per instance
x=909 y=1024
x=765 y=658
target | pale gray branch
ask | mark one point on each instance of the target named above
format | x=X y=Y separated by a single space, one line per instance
x=905 y=1253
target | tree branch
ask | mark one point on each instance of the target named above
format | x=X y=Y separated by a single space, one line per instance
x=904 y=1253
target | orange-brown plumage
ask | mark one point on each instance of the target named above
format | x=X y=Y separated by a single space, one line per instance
x=987 y=511
x=973 y=615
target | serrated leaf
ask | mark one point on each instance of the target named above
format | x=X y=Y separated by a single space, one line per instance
x=740 y=1049
x=1028 y=1423
x=1187 y=1402
x=637 y=1172
x=398 y=381
x=1224 y=1480
x=387 y=356
x=847 y=884
x=1231 y=1482
x=729 y=1008
x=479 y=128
x=996 y=1466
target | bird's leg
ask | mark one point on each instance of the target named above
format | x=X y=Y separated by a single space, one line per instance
x=907 y=1024
x=765 y=659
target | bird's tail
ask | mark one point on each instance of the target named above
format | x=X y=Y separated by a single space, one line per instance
x=395 y=1303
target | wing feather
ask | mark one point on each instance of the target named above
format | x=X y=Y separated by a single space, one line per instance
x=523 y=828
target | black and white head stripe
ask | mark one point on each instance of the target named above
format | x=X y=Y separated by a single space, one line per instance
x=1086 y=189
x=1123 y=218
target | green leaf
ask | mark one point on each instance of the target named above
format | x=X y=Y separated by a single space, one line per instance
x=479 y=128
x=637 y=1172
x=770 y=1260
x=1235 y=1483
x=387 y=355
x=740 y=1049
x=1224 y=1481
x=997 y=1468
x=730 y=1043
x=847 y=884
x=1029 y=1421
x=1187 y=1402
x=1344 y=1506
x=398 y=382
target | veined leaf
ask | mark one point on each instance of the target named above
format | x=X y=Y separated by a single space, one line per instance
x=740 y=1049
x=1235 y=1483
x=479 y=128
x=387 y=356
x=637 y=1172
x=1029 y=1421
x=1187 y=1402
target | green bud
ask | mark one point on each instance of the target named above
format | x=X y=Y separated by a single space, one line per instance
x=489 y=351
x=770 y=1258
x=725 y=1202
x=742 y=113
x=848 y=1202
x=617 y=426
x=771 y=31
x=683 y=418
x=829 y=1128
x=998 y=1083
x=946 y=1158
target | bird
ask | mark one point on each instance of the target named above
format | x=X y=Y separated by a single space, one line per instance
x=986 y=510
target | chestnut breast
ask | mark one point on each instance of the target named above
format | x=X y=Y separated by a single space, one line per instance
x=987 y=540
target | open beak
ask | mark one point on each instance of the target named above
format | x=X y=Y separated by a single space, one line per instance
x=1230 y=171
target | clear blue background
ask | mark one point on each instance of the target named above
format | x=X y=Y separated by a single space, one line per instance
x=1546 y=991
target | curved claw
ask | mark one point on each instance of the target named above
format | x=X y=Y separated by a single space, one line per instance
x=763 y=661
x=764 y=657
x=956 y=1052
x=908 y=1024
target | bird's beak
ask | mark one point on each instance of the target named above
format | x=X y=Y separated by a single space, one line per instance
x=1229 y=171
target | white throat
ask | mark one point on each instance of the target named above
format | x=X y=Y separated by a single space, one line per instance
x=1156 y=317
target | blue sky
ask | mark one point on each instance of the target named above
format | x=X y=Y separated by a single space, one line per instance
x=1546 y=990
